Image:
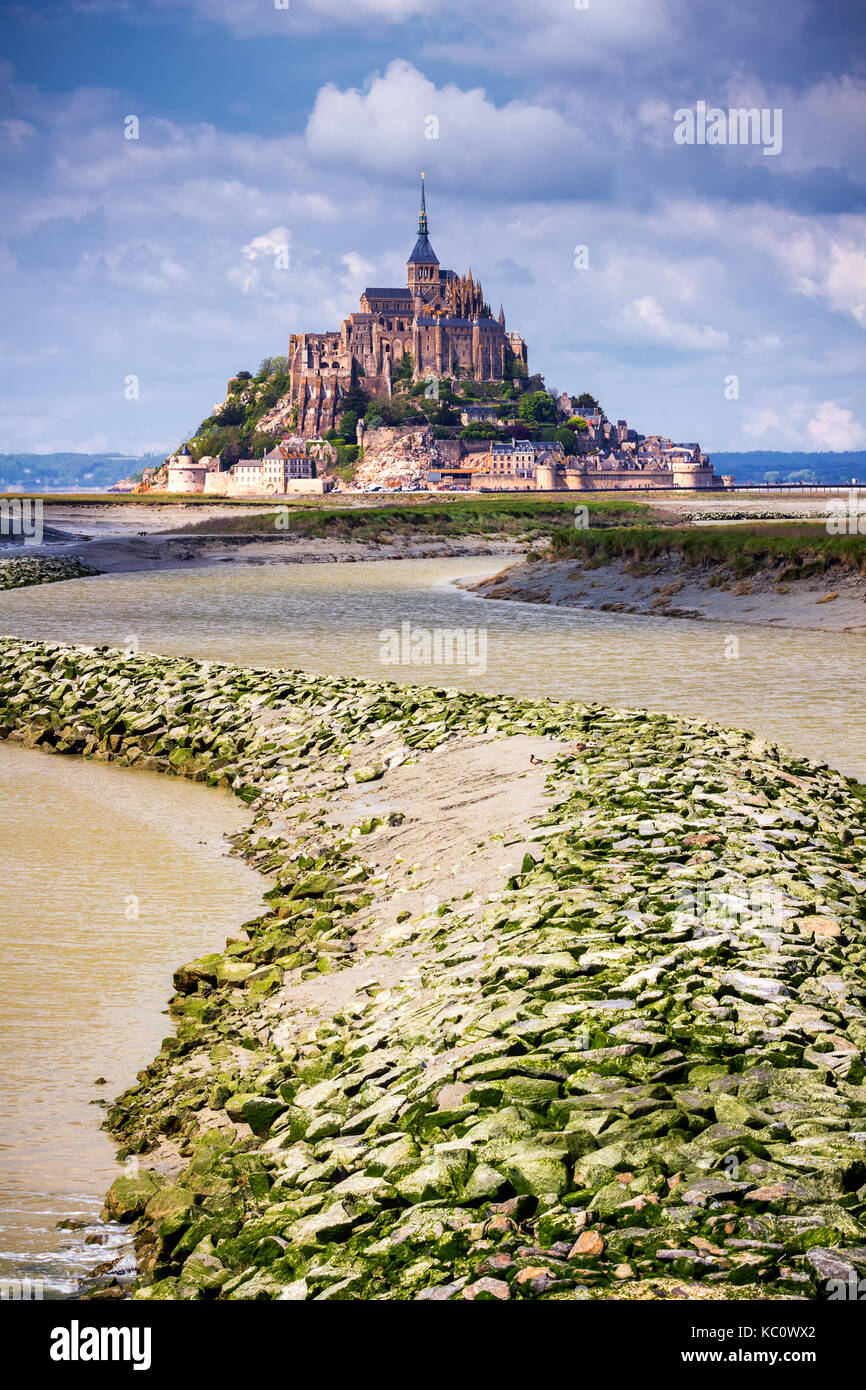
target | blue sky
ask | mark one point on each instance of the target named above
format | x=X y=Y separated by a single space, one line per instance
x=261 y=127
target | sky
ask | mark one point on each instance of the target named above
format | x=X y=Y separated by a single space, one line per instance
x=186 y=182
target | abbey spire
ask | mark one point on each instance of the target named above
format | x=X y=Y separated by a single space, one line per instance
x=422 y=220
x=423 y=253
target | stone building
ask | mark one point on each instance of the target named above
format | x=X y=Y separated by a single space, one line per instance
x=440 y=319
x=287 y=468
x=186 y=474
x=513 y=465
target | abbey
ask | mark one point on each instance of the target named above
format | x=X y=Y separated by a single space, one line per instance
x=440 y=319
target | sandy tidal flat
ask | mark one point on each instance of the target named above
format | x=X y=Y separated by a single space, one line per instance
x=835 y=602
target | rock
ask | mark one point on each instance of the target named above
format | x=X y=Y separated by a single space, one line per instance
x=589 y=1245
x=831 y=1264
x=538 y=1277
x=204 y=1272
x=753 y=986
x=128 y=1197
x=259 y=1112
x=774 y=1192
x=703 y=1190
x=559 y=1225
x=204 y=970
x=814 y=926
x=334 y=1224
x=485 y=1182
x=170 y=1210
x=536 y=1171
x=295 y=1292
x=441 y=1293
x=487 y=1288
x=429 y=1180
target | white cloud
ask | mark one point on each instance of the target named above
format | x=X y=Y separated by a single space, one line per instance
x=800 y=425
x=845 y=280
x=252 y=18
x=274 y=247
x=834 y=427
x=822 y=259
x=647 y=316
x=386 y=127
x=168 y=244
x=762 y=343
x=759 y=423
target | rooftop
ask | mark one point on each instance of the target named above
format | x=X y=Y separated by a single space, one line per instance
x=386 y=292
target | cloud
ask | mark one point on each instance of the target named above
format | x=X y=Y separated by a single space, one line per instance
x=802 y=425
x=649 y=319
x=274 y=247
x=845 y=281
x=821 y=261
x=760 y=423
x=246 y=18
x=508 y=272
x=762 y=343
x=156 y=256
x=400 y=120
x=358 y=270
x=833 y=427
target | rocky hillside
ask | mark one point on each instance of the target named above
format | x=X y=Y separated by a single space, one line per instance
x=586 y=1027
x=396 y=457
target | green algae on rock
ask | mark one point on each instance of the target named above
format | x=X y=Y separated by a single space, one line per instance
x=18 y=572
x=633 y=1066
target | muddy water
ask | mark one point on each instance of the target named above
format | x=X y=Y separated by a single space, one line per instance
x=109 y=879
x=803 y=688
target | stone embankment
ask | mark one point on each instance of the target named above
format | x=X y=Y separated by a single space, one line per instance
x=590 y=1026
x=37 y=569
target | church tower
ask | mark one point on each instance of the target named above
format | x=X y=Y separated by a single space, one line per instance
x=423 y=264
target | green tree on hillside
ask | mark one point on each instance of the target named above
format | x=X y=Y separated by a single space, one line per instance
x=567 y=438
x=357 y=399
x=276 y=387
x=480 y=429
x=538 y=406
x=403 y=370
x=349 y=426
x=232 y=413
